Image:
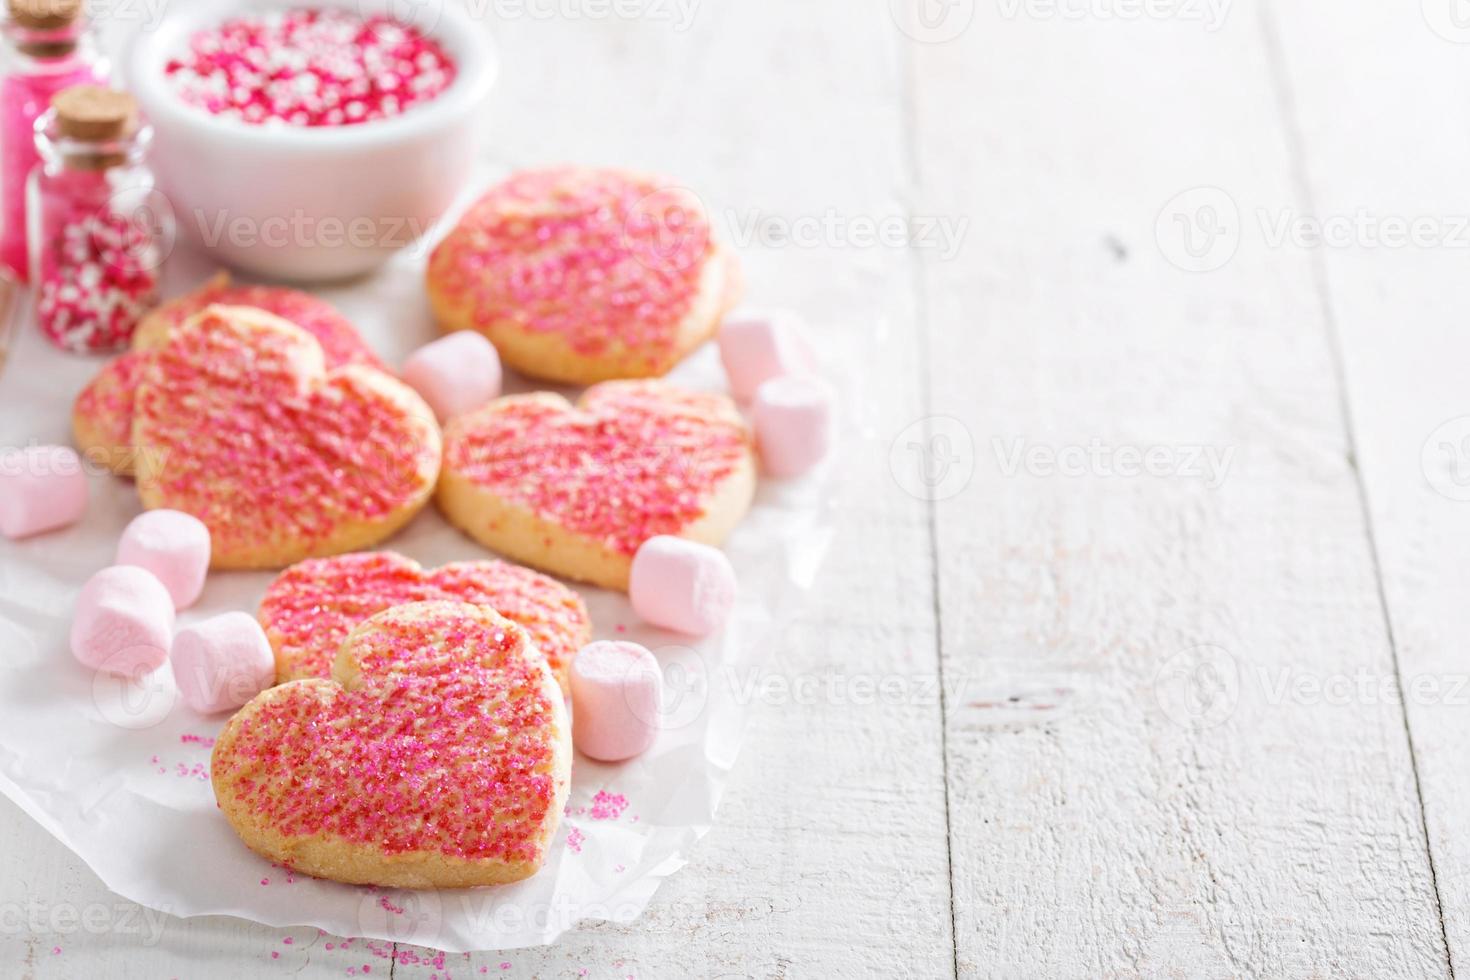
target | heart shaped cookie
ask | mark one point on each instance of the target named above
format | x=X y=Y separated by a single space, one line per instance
x=238 y=422
x=582 y=274
x=576 y=491
x=102 y=417
x=311 y=607
x=437 y=755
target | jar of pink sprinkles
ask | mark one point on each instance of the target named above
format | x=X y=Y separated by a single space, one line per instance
x=99 y=231
x=44 y=47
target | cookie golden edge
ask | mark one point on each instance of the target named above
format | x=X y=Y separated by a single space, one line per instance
x=275 y=551
x=337 y=859
x=521 y=535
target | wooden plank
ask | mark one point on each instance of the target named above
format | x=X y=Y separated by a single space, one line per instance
x=829 y=855
x=1199 y=804
x=779 y=114
x=1389 y=177
x=57 y=920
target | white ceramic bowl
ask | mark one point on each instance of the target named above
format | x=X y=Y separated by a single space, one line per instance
x=312 y=204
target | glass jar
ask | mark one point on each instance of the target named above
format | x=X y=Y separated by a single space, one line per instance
x=99 y=231
x=45 y=47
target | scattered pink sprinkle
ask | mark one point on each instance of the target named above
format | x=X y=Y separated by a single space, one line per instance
x=606 y=806
x=55 y=950
x=203 y=741
x=505 y=966
x=574 y=840
x=265 y=881
x=288 y=940
x=275 y=954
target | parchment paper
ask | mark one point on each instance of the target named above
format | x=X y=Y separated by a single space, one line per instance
x=119 y=772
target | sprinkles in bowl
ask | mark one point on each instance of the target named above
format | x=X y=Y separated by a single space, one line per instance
x=310 y=68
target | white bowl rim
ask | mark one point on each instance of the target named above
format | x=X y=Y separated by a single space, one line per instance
x=477 y=64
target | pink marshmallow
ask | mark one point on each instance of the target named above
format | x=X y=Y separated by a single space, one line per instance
x=793 y=424
x=455 y=374
x=42 y=488
x=682 y=585
x=172 y=545
x=617 y=694
x=124 y=622
x=756 y=349
x=222 y=663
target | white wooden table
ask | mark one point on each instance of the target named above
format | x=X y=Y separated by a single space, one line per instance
x=1139 y=653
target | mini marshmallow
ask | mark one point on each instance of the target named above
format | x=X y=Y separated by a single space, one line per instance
x=455 y=374
x=617 y=693
x=222 y=663
x=124 y=622
x=174 y=546
x=793 y=424
x=756 y=349
x=682 y=585
x=42 y=488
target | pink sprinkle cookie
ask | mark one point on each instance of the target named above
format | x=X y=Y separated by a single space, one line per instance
x=312 y=606
x=238 y=421
x=576 y=491
x=617 y=694
x=42 y=488
x=756 y=349
x=455 y=374
x=173 y=546
x=341 y=343
x=438 y=755
x=793 y=424
x=124 y=622
x=102 y=418
x=308 y=67
x=682 y=585
x=222 y=663
x=581 y=275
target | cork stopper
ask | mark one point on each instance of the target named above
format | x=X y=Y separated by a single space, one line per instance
x=45 y=15
x=94 y=114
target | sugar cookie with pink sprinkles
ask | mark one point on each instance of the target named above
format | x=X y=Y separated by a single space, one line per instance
x=576 y=490
x=239 y=422
x=582 y=275
x=438 y=755
x=311 y=607
x=102 y=417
